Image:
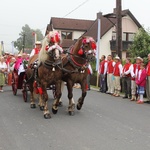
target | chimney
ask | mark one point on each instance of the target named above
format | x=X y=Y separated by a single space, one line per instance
x=114 y=10
x=99 y=15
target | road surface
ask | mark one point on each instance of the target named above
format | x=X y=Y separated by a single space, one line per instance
x=104 y=123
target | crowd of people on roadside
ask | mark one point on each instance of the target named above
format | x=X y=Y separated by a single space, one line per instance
x=18 y=62
x=9 y=62
x=135 y=78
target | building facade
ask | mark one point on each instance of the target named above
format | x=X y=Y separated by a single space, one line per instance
x=72 y=29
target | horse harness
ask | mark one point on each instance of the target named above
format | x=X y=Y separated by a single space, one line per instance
x=78 y=68
x=52 y=64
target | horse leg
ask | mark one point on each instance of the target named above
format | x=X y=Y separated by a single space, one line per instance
x=81 y=99
x=62 y=88
x=71 y=106
x=32 y=99
x=56 y=102
x=45 y=100
x=41 y=103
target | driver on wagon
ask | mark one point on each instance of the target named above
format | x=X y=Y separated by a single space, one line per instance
x=37 y=48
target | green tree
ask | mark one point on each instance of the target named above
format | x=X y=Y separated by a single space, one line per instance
x=141 y=45
x=29 y=37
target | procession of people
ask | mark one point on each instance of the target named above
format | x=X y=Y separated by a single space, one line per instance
x=132 y=79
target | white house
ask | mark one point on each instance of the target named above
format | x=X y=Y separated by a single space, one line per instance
x=72 y=29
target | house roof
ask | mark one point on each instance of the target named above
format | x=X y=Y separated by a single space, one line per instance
x=90 y=27
x=128 y=12
x=71 y=24
x=107 y=24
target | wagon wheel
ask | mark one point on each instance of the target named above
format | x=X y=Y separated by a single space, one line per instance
x=14 y=85
x=24 y=91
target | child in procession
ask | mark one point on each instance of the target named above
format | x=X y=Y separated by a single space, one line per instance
x=141 y=83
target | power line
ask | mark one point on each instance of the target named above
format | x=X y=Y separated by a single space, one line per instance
x=76 y=8
x=71 y=11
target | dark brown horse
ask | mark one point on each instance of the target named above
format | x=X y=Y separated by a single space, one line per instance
x=75 y=65
x=47 y=72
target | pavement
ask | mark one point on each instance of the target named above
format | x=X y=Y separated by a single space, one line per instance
x=121 y=94
x=104 y=123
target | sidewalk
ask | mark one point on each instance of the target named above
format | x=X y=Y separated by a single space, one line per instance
x=121 y=94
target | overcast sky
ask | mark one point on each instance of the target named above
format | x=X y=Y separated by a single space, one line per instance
x=37 y=13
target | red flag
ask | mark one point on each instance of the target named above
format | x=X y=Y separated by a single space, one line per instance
x=33 y=33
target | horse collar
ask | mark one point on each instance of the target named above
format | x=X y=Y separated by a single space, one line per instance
x=75 y=63
x=49 y=64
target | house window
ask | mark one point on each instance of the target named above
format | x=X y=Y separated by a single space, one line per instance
x=128 y=36
x=113 y=36
x=131 y=36
x=66 y=35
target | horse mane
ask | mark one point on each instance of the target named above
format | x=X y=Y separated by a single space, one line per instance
x=43 y=53
x=77 y=45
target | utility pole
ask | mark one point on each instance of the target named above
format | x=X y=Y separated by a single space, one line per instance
x=23 y=44
x=12 y=44
x=119 y=28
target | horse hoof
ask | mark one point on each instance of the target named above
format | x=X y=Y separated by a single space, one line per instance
x=41 y=108
x=78 y=106
x=47 y=116
x=54 y=111
x=33 y=106
x=60 y=104
x=71 y=113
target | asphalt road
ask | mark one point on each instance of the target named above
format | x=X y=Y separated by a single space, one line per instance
x=104 y=123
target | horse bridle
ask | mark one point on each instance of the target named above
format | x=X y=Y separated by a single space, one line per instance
x=51 y=48
x=50 y=52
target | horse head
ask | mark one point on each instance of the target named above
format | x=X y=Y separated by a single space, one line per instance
x=88 y=48
x=53 y=44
